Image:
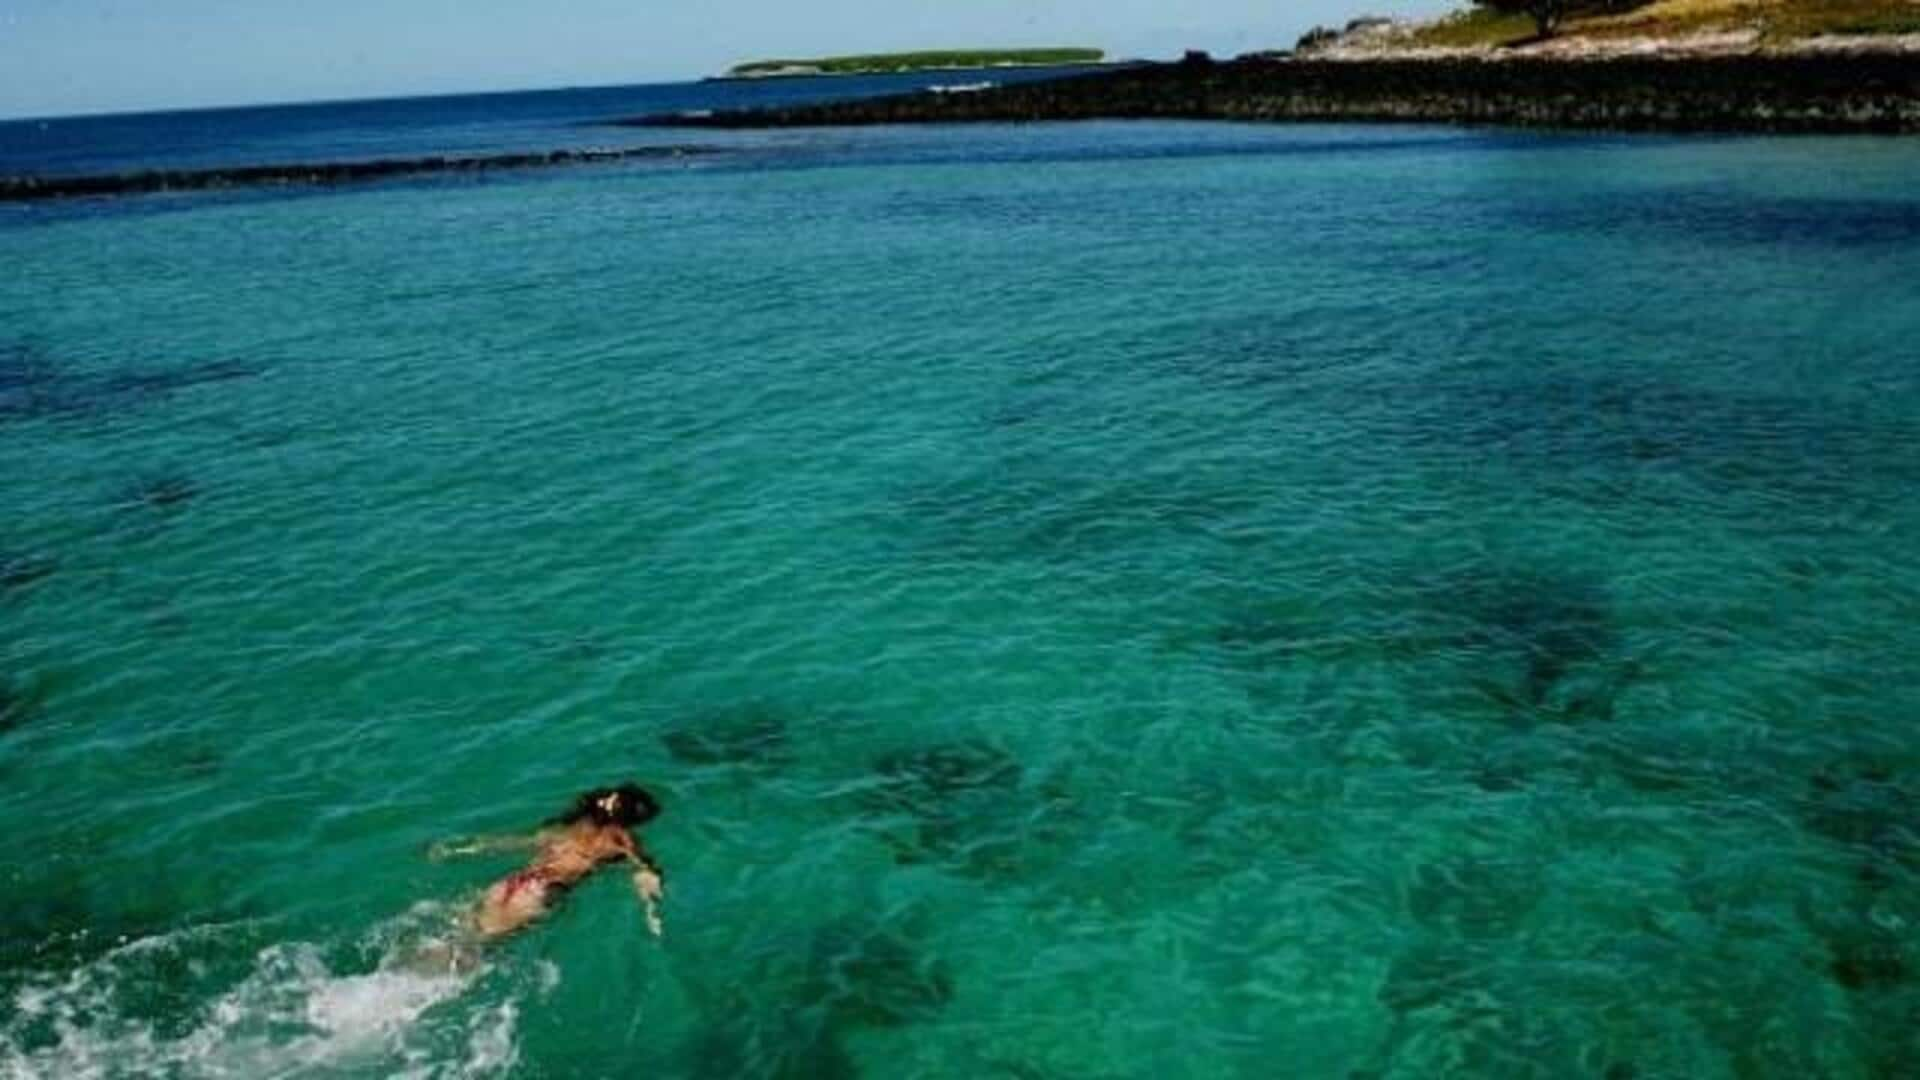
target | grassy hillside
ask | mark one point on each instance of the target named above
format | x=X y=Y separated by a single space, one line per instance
x=923 y=61
x=1777 y=21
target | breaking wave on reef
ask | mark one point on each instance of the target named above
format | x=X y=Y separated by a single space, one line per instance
x=288 y=1009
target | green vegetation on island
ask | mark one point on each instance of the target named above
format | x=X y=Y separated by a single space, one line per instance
x=1498 y=23
x=936 y=60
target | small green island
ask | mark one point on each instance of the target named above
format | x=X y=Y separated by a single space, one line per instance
x=897 y=63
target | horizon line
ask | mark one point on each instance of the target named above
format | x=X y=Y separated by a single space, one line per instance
x=377 y=98
x=302 y=103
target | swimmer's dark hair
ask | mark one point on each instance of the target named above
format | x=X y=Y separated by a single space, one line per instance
x=636 y=806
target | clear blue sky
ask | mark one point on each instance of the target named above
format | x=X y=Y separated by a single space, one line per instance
x=72 y=56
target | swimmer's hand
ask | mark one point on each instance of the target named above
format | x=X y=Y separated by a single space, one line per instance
x=652 y=890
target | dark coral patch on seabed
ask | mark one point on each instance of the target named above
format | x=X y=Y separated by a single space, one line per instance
x=792 y=1019
x=1632 y=425
x=1867 y=810
x=9 y=706
x=21 y=571
x=19 y=704
x=161 y=491
x=960 y=804
x=26 y=381
x=1474 y=898
x=1865 y=807
x=1868 y=964
x=920 y=780
x=747 y=735
x=874 y=977
x=1542 y=645
x=929 y=782
x=1544 y=625
x=1494 y=1028
x=787 y=1047
x=34 y=387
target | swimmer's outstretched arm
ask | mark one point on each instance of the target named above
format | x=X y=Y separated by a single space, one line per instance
x=648 y=881
x=481 y=845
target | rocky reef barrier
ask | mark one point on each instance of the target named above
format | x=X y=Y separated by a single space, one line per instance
x=33 y=188
x=1742 y=93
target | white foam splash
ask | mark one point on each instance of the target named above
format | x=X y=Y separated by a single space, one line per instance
x=291 y=1015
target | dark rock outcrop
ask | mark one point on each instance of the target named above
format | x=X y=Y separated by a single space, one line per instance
x=1808 y=93
x=32 y=188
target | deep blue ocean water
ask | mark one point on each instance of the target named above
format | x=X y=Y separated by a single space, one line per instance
x=416 y=127
x=1098 y=600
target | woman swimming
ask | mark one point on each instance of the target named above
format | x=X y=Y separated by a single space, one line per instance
x=594 y=831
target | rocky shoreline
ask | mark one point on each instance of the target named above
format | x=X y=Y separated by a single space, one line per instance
x=1797 y=93
x=37 y=188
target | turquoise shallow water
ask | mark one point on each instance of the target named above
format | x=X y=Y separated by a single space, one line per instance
x=1097 y=601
